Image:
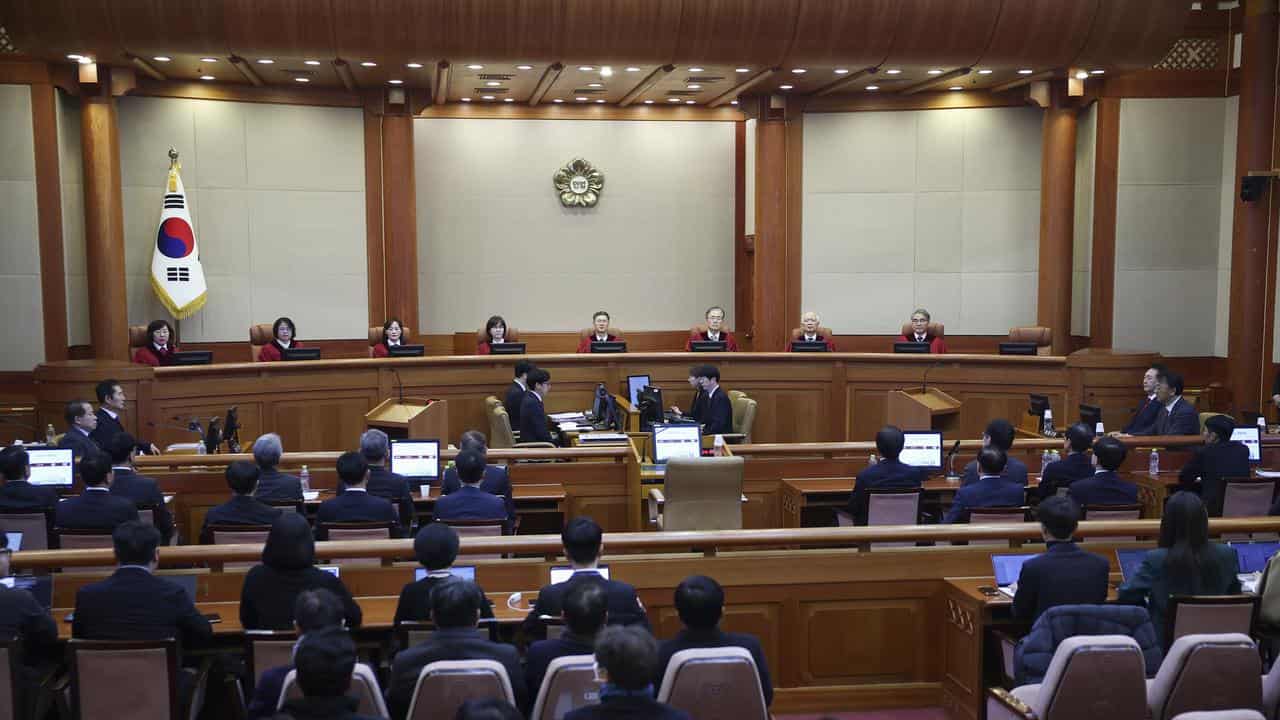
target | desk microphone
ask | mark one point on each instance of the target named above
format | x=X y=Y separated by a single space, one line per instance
x=951 y=457
x=399 y=384
x=924 y=381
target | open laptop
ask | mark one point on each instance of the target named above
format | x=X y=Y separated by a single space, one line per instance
x=1007 y=568
x=13 y=541
x=1253 y=556
x=1130 y=561
x=462 y=572
x=563 y=572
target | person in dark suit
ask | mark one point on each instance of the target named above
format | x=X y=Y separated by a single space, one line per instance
x=717 y=418
x=95 y=508
x=628 y=660
x=288 y=567
x=586 y=607
x=273 y=484
x=455 y=610
x=135 y=604
x=887 y=473
x=1064 y=574
x=809 y=323
x=111 y=404
x=243 y=508
x=21 y=616
x=354 y=503
x=375 y=447
x=700 y=604
x=920 y=333
x=999 y=434
x=18 y=495
x=991 y=490
x=81 y=422
x=1144 y=417
x=495 y=480
x=1183 y=563
x=1105 y=487
x=488 y=709
x=141 y=490
x=314 y=611
x=1075 y=466
x=1212 y=465
x=325 y=660
x=715 y=331
x=699 y=404
x=436 y=549
x=533 y=415
x=470 y=502
x=600 y=323
x=516 y=391
x=582 y=539
x=1177 y=416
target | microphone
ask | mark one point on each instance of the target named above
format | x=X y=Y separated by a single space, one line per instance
x=399 y=383
x=924 y=381
x=951 y=457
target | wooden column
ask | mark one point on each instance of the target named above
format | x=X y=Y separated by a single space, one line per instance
x=1250 y=320
x=400 y=220
x=104 y=222
x=1102 y=269
x=53 y=287
x=776 y=265
x=1057 y=218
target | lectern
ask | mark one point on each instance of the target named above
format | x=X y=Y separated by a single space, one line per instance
x=410 y=418
x=923 y=409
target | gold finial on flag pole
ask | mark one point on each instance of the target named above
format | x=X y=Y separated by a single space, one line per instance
x=174 y=166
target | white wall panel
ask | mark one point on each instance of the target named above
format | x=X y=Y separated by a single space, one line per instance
x=1082 y=223
x=20 y=295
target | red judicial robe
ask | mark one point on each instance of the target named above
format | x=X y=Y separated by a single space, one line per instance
x=584 y=345
x=381 y=349
x=153 y=356
x=730 y=345
x=831 y=347
x=937 y=345
x=272 y=352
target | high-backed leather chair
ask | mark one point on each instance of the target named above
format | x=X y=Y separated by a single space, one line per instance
x=700 y=494
x=513 y=335
x=569 y=683
x=1087 y=672
x=500 y=435
x=1041 y=336
x=1206 y=672
x=1247 y=497
x=259 y=336
x=1210 y=614
x=585 y=333
x=138 y=337
x=267 y=649
x=34 y=527
x=445 y=685
x=364 y=687
x=934 y=329
x=375 y=336
x=824 y=332
x=744 y=417
x=112 y=679
x=721 y=682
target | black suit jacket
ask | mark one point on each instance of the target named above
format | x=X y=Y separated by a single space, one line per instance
x=239 y=510
x=133 y=604
x=1014 y=470
x=1144 y=420
x=718 y=417
x=886 y=474
x=1184 y=420
x=689 y=639
x=627 y=708
x=533 y=420
x=109 y=427
x=355 y=506
x=415 y=600
x=268 y=596
x=18 y=496
x=94 y=510
x=699 y=406
x=1103 y=488
x=1062 y=473
x=142 y=491
x=513 y=402
x=79 y=443
x=495 y=482
x=392 y=487
x=1213 y=464
x=20 y=614
x=275 y=485
x=470 y=503
x=449 y=644
x=1063 y=575
x=624 y=606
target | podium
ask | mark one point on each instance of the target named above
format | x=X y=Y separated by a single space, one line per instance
x=923 y=409
x=411 y=418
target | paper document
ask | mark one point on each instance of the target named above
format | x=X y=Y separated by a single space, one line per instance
x=602 y=437
x=1269 y=473
x=565 y=416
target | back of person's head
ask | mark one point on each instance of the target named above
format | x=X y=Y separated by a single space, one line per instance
x=700 y=602
x=473 y=440
x=991 y=460
x=1184 y=531
x=290 y=544
x=629 y=654
x=711 y=372
x=889 y=442
x=267 y=450
x=374 y=445
x=352 y=468
x=537 y=376
x=436 y=546
x=581 y=538
x=1110 y=452
x=585 y=608
x=325 y=660
x=75 y=410
x=470 y=464
x=121 y=447
x=135 y=542
x=522 y=368
x=487 y=709
x=14 y=462
x=1000 y=433
x=1059 y=516
x=242 y=476
x=317 y=609
x=455 y=603
x=95 y=467
x=105 y=389
x=1080 y=435
x=1222 y=426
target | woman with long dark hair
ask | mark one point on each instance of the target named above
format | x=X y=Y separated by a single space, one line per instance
x=288 y=568
x=495 y=332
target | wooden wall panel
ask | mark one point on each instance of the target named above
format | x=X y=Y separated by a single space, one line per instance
x=1102 y=271
x=332 y=422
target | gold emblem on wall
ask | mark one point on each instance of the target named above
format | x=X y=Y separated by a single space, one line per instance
x=579 y=184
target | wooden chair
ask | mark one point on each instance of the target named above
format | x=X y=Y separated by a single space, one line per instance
x=996 y=516
x=721 y=682
x=113 y=679
x=1112 y=512
x=358 y=531
x=34 y=527
x=260 y=335
x=445 y=685
x=264 y=649
x=1210 y=614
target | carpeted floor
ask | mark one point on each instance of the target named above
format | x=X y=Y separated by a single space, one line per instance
x=905 y=714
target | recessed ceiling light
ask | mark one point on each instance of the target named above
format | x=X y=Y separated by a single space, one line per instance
x=695 y=86
x=935 y=71
x=633 y=69
x=557 y=100
x=206 y=77
x=696 y=69
x=162 y=58
x=873 y=87
x=580 y=99
x=85 y=60
x=524 y=67
x=1025 y=71
x=1096 y=72
x=673 y=99
x=595 y=84
x=214 y=60
x=955 y=87
x=893 y=71
x=785 y=87
x=1082 y=75
x=310 y=62
x=799 y=71
x=466 y=99
x=688 y=102
x=266 y=61
x=368 y=63
x=606 y=71
x=508 y=100
x=487 y=97
x=413 y=66
x=648 y=102
x=302 y=80
x=75 y=57
x=598 y=100
x=396 y=82
x=733 y=102
x=985 y=71
x=475 y=67
x=842 y=71
x=742 y=70
x=493 y=83
x=586 y=68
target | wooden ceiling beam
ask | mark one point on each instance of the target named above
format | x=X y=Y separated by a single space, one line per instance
x=548 y=79
x=442 y=83
x=733 y=92
x=841 y=83
x=644 y=85
x=936 y=80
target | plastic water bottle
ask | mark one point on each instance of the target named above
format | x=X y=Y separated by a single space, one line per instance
x=305 y=477
x=49 y=434
x=1045 y=458
x=1099 y=430
x=1048 y=423
x=1153 y=463
x=717 y=445
x=1262 y=426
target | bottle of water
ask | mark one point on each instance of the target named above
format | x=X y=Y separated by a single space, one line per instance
x=1262 y=425
x=1153 y=463
x=305 y=477
x=49 y=434
x=1048 y=423
x=1099 y=430
x=1045 y=459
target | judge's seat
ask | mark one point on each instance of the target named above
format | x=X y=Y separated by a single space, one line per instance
x=260 y=335
x=138 y=337
x=935 y=329
x=697 y=332
x=375 y=336
x=585 y=333
x=513 y=335
x=1041 y=336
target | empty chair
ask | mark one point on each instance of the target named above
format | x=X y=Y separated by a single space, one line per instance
x=267 y=649
x=1206 y=672
x=718 y=682
x=744 y=417
x=996 y=516
x=1208 y=614
x=700 y=494
x=1247 y=497
x=1090 y=675
x=364 y=687
x=34 y=527
x=444 y=685
x=1041 y=336
x=1271 y=692
x=1112 y=512
x=893 y=507
x=112 y=679
x=570 y=683
x=495 y=527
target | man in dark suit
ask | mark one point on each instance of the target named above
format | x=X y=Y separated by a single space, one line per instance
x=81 y=422
x=717 y=418
x=1075 y=466
x=533 y=414
x=315 y=611
x=991 y=490
x=628 y=660
x=1064 y=574
x=18 y=495
x=436 y=549
x=354 y=503
x=96 y=508
x=375 y=447
x=700 y=603
x=273 y=484
x=1144 y=418
x=516 y=391
x=586 y=608
x=495 y=480
x=1177 y=416
x=324 y=660
x=455 y=610
x=1212 y=465
x=582 y=539
x=134 y=604
x=470 y=502
x=887 y=473
x=1105 y=487
x=243 y=508
x=699 y=404
x=111 y=403
x=141 y=490
x=999 y=434
x=21 y=616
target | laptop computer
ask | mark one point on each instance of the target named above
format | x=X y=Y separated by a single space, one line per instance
x=13 y=541
x=1130 y=561
x=1007 y=568
x=1253 y=556
x=462 y=572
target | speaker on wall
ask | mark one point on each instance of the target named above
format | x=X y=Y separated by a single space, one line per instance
x=1252 y=187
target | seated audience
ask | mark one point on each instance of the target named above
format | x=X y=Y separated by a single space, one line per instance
x=628 y=660
x=495 y=330
x=375 y=447
x=1219 y=460
x=717 y=413
x=243 y=508
x=1060 y=474
x=920 y=332
x=273 y=485
x=354 y=503
x=470 y=502
x=392 y=336
x=1064 y=574
x=700 y=603
x=715 y=331
x=141 y=490
x=495 y=480
x=887 y=473
x=991 y=490
x=582 y=539
x=455 y=610
x=315 y=611
x=95 y=508
x=999 y=434
x=600 y=321
x=18 y=495
x=81 y=422
x=487 y=709
x=1184 y=563
x=533 y=414
x=436 y=549
x=284 y=337
x=586 y=607
x=325 y=660
x=22 y=616
x=1177 y=416
x=809 y=323
x=158 y=350
x=1105 y=487
x=288 y=567
x=1144 y=418
x=516 y=391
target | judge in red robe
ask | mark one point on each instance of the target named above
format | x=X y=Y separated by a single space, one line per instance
x=392 y=335
x=285 y=339
x=809 y=323
x=158 y=350
x=495 y=331
x=715 y=331
x=601 y=322
x=920 y=333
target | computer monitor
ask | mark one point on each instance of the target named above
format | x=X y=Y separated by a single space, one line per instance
x=1008 y=567
x=53 y=467
x=1130 y=561
x=608 y=346
x=919 y=348
x=1037 y=404
x=418 y=459
x=561 y=573
x=192 y=357
x=1090 y=415
x=708 y=346
x=1253 y=556
x=808 y=346
x=462 y=572
x=300 y=353
x=13 y=541
x=636 y=383
x=511 y=348
x=922 y=449
x=1018 y=348
x=676 y=440
x=649 y=403
x=406 y=351
x=1249 y=436
x=331 y=569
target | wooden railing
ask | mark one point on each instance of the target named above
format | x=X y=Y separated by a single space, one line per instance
x=835 y=449
x=617 y=453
